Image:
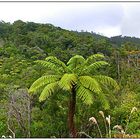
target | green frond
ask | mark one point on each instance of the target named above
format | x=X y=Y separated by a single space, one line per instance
x=57 y=62
x=49 y=66
x=94 y=66
x=90 y=83
x=103 y=100
x=67 y=81
x=42 y=81
x=48 y=90
x=94 y=58
x=84 y=94
x=105 y=80
x=75 y=62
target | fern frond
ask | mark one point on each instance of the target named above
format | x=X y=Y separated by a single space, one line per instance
x=84 y=94
x=94 y=58
x=105 y=80
x=67 y=81
x=75 y=62
x=103 y=100
x=48 y=90
x=90 y=83
x=42 y=81
x=49 y=66
x=57 y=62
x=94 y=66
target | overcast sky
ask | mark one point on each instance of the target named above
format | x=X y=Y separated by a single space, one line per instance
x=106 y=18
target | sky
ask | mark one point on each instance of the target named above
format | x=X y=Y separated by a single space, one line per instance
x=106 y=18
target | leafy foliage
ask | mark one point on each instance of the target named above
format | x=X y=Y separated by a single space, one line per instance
x=73 y=60
x=70 y=80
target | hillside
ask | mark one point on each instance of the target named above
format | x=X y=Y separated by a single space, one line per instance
x=22 y=43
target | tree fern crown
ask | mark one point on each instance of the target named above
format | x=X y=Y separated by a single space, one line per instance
x=79 y=73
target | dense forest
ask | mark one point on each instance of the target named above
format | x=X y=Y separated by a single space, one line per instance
x=57 y=83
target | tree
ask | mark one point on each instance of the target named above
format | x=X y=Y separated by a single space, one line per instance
x=77 y=77
x=19 y=112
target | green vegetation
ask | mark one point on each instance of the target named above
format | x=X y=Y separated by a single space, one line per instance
x=76 y=78
x=53 y=81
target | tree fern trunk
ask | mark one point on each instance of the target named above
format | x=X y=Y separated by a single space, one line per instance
x=71 y=124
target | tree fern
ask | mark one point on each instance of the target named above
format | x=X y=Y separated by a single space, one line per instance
x=84 y=94
x=57 y=62
x=77 y=78
x=93 y=58
x=90 y=83
x=42 y=81
x=103 y=100
x=108 y=81
x=67 y=81
x=48 y=90
x=94 y=66
x=50 y=66
x=75 y=61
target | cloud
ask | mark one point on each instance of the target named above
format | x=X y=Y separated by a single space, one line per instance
x=131 y=21
x=106 y=17
x=99 y=17
x=26 y=11
x=109 y=31
x=97 y=14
